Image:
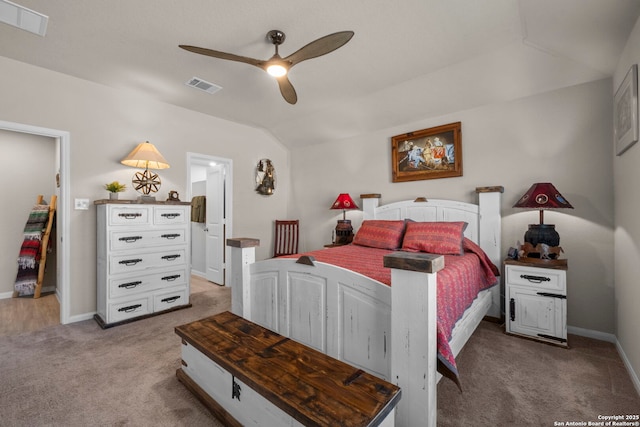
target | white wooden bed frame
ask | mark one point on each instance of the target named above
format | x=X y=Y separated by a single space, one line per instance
x=387 y=331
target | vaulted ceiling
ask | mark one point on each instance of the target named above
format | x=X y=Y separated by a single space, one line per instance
x=408 y=60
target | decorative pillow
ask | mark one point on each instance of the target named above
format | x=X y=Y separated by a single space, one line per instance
x=378 y=233
x=443 y=238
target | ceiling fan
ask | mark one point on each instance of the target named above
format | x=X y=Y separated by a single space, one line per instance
x=278 y=66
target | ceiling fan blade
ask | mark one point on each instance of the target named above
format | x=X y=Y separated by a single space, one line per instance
x=287 y=90
x=320 y=47
x=223 y=55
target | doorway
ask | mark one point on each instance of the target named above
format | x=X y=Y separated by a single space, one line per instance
x=62 y=217
x=211 y=177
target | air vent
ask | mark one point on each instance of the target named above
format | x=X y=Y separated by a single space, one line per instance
x=23 y=18
x=203 y=85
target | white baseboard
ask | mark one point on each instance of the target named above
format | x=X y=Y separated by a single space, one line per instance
x=80 y=317
x=634 y=377
x=199 y=274
x=603 y=336
x=6 y=295
x=590 y=333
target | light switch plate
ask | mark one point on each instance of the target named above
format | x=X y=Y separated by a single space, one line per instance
x=82 y=204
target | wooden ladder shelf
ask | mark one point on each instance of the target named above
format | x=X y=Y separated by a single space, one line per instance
x=45 y=244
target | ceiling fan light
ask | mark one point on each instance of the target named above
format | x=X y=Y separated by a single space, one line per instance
x=276 y=70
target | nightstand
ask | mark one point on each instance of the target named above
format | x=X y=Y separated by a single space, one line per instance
x=536 y=300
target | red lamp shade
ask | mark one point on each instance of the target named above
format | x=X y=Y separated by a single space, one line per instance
x=344 y=230
x=542 y=195
x=344 y=202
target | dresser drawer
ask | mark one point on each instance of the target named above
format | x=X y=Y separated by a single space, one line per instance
x=538 y=278
x=134 y=239
x=126 y=310
x=128 y=215
x=128 y=263
x=135 y=284
x=167 y=215
x=172 y=298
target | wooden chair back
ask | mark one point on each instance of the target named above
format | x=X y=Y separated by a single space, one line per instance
x=286 y=237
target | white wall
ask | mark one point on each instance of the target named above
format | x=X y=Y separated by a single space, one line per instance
x=563 y=137
x=105 y=124
x=627 y=227
x=27 y=169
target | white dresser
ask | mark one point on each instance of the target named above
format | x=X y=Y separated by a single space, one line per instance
x=143 y=259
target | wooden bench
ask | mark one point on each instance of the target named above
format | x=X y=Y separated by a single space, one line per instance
x=248 y=375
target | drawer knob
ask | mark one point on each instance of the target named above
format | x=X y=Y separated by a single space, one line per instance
x=130 y=262
x=130 y=285
x=171 y=257
x=130 y=239
x=550 y=295
x=169 y=300
x=130 y=308
x=130 y=215
x=170 y=236
x=170 y=215
x=535 y=279
x=170 y=278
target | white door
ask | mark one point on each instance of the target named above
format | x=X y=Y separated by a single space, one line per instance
x=215 y=225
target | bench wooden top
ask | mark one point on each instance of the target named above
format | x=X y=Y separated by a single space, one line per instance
x=313 y=388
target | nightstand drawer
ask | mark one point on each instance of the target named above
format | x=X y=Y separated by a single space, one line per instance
x=540 y=278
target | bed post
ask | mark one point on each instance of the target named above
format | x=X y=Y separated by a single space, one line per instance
x=490 y=239
x=369 y=204
x=413 y=335
x=243 y=254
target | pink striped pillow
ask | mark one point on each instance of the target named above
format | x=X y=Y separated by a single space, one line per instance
x=378 y=233
x=444 y=238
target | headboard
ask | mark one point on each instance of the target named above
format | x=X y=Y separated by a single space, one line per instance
x=483 y=218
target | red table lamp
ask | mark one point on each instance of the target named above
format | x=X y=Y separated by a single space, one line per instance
x=542 y=195
x=344 y=230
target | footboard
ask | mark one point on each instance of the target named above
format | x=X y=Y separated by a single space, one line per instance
x=351 y=317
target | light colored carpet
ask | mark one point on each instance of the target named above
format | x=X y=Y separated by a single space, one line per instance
x=509 y=381
x=81 y=375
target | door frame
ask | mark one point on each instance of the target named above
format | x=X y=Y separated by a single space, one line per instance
x=63 y=248
x=198 y=159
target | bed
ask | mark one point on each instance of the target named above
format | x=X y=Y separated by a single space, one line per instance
x=389 y=331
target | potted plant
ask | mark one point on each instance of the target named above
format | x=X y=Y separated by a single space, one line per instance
x=114 y=188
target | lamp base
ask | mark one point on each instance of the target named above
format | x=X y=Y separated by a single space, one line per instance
x=344 y=232
x=542 y=233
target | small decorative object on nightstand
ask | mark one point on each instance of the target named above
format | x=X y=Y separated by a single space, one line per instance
x=335 y=245
x=536 y=300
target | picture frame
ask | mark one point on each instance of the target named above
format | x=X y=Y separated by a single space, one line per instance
x=427 y=154
x=625 y=112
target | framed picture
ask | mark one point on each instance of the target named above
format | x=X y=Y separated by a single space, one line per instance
x=625 y=112
x=427 y=154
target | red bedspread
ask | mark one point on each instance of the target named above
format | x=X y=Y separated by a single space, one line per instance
x=458 y=285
